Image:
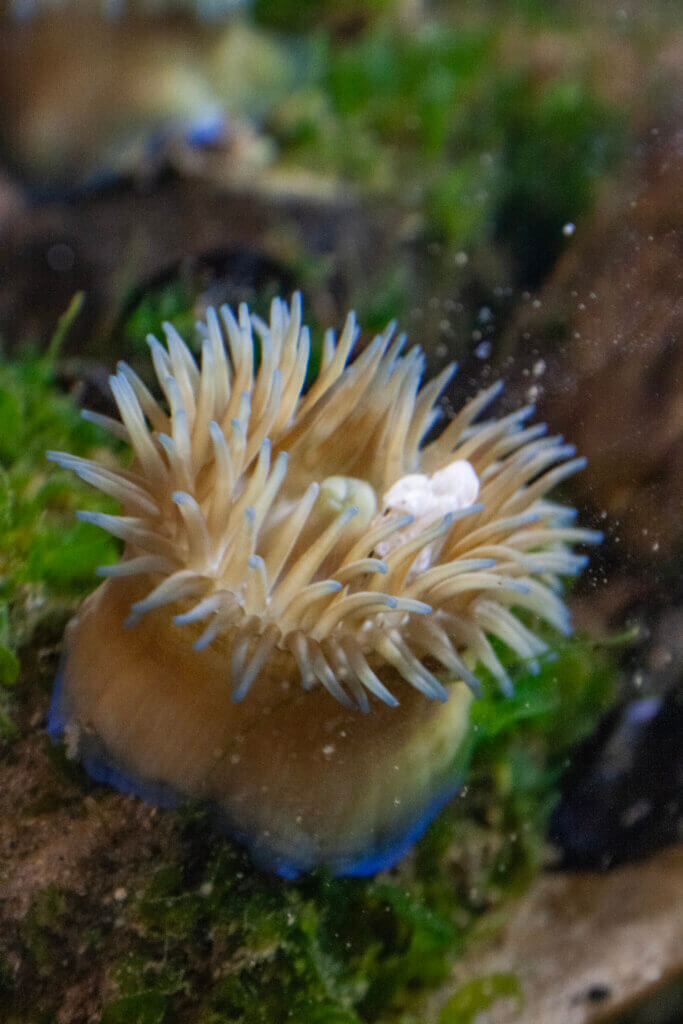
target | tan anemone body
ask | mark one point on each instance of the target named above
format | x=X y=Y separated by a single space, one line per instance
x=280 y=639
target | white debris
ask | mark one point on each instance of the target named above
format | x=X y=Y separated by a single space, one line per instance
x=428 y=498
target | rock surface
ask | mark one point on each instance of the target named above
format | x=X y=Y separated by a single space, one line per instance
x=586 y=947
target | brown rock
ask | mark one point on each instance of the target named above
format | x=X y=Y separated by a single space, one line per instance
x=608 y=327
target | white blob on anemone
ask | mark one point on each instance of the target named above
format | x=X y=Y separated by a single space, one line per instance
x=306 y=541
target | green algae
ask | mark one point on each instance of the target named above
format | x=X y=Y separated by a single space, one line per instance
x=477 y=995
x=483 y=150
x=43 y=929
x=47 y=559
x=172 y=302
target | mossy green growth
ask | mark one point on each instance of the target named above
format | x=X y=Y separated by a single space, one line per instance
x=46 y=557
x=299 y=15
x=477 y=995
x=484 y=150
x=261 y=950
x=6 y=982
x=42 y=928
x=556 y=140
x=172 y=302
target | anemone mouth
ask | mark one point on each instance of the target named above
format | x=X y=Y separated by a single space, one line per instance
x=317 y=526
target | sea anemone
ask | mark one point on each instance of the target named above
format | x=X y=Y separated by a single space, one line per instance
x=310 y=583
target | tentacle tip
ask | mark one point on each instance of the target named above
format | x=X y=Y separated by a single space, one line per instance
x=88 y=517
x=181 y=498
x=519 y=587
